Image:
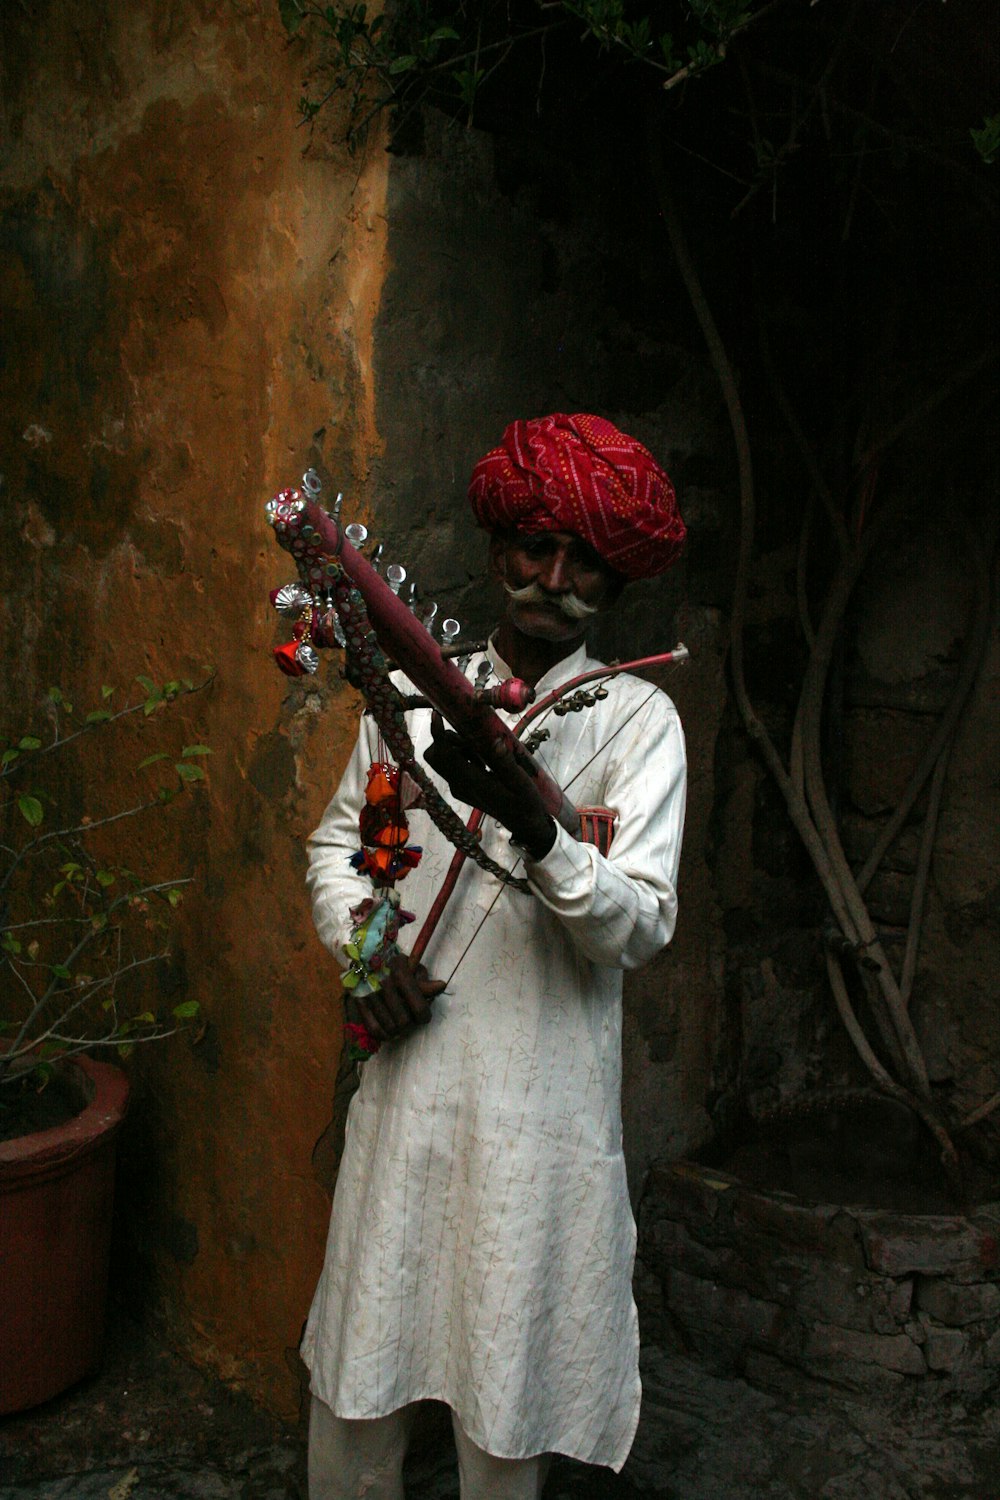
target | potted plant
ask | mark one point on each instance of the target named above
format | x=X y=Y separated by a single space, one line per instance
x=80 y=931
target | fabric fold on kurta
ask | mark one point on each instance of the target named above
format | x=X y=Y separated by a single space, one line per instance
x=481 y=1242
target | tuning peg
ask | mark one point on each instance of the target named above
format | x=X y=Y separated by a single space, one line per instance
x=411 y=598
x=376 y=556
x=335 y=512
x=428 y=617
x=356 y=534
x=312 y=484
x=395 y=577
x=449 y=630
x=483 y=672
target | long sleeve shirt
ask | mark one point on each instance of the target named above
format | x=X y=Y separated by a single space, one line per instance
x=481 y=1241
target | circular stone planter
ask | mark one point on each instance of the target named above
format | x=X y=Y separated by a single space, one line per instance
x=754 y=1282
x=56 y=1193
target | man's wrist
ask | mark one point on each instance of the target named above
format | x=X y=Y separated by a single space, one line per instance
x=535 y=843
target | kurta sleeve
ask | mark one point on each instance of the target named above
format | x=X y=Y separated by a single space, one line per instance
x=334 y=886
x=620 y=910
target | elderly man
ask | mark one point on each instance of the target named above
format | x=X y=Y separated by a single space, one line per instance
x=481 y=1243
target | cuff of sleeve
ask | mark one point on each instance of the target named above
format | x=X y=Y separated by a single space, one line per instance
x=566 y=865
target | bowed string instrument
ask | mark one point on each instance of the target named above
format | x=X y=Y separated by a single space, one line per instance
x=341 y=599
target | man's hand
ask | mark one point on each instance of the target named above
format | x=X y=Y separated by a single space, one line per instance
x=402 y=1003
x=505 y=791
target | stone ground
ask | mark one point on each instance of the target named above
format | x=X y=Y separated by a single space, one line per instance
x=149 y=1427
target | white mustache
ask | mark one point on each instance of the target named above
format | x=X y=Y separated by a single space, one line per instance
x=570 y=605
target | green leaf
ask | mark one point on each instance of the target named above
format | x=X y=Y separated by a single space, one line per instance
x=987 y=140
x=186 y=1010
x=402 y=64
x=99 y=921
x=353 y=952
x=167 y=794
x=98 y=716
x=106 y=877
x=444 y=34
x=106 y=691
x=55 y=696
x=61 y=972
x=31 y=810
x=10 y=943
x=291 y=15
x=8 y=758
x=125 y=1049
x=196 y=750
x=174 y=896
x=160 y=755
x=29 y=742
x=187 y=772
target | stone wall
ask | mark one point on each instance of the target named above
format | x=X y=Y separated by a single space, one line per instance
x=765 y=1284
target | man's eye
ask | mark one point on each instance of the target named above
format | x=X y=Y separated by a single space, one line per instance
x=588 y=560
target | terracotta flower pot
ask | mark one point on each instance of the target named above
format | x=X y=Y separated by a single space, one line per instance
x=56 y=1192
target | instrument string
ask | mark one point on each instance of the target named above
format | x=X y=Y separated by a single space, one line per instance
x=575 y=777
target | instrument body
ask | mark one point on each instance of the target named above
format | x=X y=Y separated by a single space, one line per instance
x=342 y=600
x=314 y=538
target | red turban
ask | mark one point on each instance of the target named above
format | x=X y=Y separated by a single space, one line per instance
x=580 y=474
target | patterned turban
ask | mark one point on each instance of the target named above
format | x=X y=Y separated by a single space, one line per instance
x=580 y=474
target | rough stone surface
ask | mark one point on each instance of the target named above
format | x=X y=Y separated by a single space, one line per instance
x=957 y=1304
x=747 y=1277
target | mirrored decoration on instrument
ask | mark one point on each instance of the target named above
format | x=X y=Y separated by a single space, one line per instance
x=291 y=599
x=356 y=534
x=307 y=657
x=395 y=577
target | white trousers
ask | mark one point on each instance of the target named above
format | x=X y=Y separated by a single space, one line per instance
x=363 y=1460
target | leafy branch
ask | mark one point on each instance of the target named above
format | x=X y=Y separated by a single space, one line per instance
x=444 y=52
x=79 y=927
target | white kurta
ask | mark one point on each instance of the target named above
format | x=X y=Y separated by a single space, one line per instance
x=481 y=1243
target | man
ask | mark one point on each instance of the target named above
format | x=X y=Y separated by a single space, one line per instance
x=481 y=1243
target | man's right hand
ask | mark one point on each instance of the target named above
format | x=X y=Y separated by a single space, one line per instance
x=402 y=1003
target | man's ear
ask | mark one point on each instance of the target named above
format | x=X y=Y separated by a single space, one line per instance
x=498 y=556
x=616 y=585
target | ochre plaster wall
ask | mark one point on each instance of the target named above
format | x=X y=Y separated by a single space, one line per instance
x=189 y=297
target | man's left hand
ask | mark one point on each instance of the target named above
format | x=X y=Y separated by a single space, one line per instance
x=505 y=790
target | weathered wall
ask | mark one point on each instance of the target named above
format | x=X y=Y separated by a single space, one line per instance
x=188 y=307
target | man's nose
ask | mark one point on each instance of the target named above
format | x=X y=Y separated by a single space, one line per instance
x=554 y=577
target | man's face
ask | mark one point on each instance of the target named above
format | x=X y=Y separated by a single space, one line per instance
x=567 y=583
